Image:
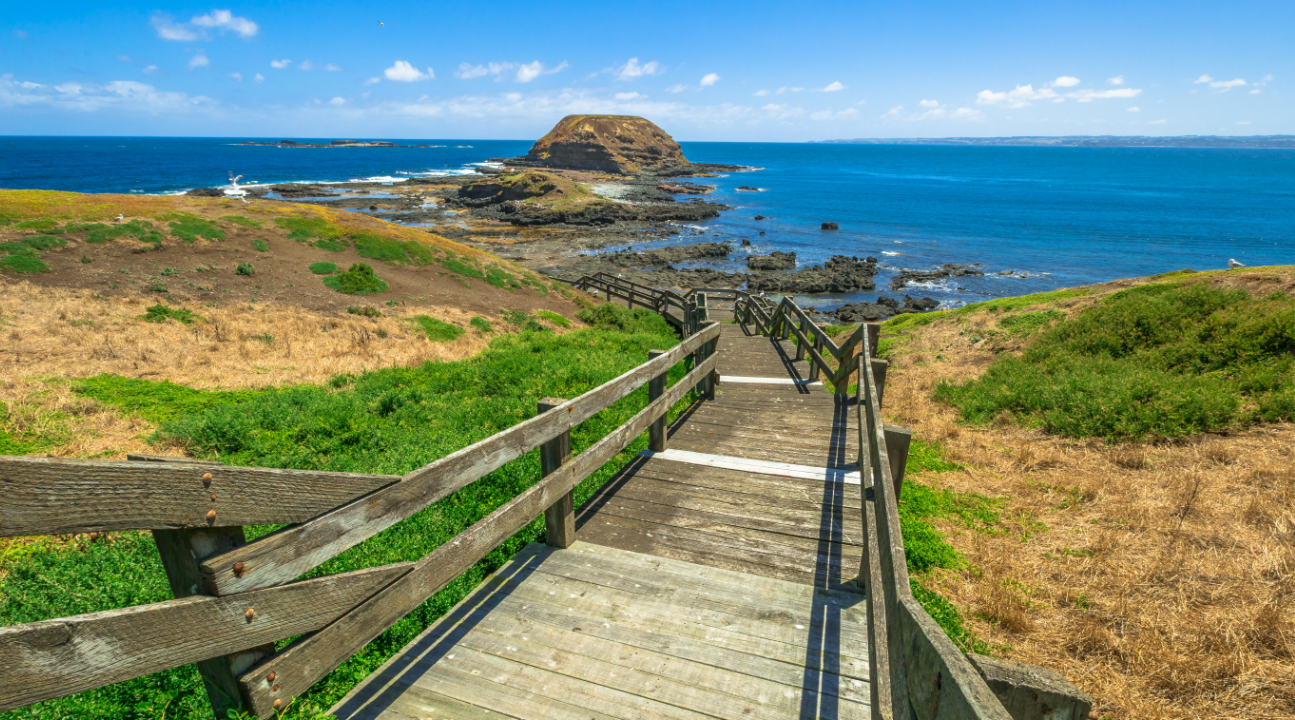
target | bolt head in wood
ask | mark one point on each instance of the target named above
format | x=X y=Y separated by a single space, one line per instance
x=239 y=569
x=250 y=614
x=211 y=516
x=277 y=688
x=270 y=677
x=206 y=478
x=278 y=704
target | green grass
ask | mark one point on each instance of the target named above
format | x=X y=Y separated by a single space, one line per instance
x=459 y=267
x=392 y=252
x=191 y=228
x=98 y=233
x=359 y=279
x=160 y=313
x=246 y=222
x=554 y=318
x=387 y=421
x=24 y=260
x=39 y=224
x=364 y=311
x=245 y=269
x=314 y=231
x=535 y=284
x=1029 y=323
x=1156 y=361
x=909 y=321
x=436 y=330
x=481 y=324
x=323 y=268
x=43 y=242
x=260 y=245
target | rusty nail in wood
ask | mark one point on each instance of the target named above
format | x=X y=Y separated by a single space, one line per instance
x=278 y=704
x=238 y=569
x=270 y=677
x=211 y=516
x=250 y=614
x=206 y=478
x=213 y=496
x=277 y=688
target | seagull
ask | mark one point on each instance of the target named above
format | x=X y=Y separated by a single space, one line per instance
x=380 y=23
x=237 y=192
x=1233 y=264
x=120 y=217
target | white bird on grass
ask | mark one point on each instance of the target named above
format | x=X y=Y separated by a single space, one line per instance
x=120 y=217
x=237 y=191
x=1233 y=264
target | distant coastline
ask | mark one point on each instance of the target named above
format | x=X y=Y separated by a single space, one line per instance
x=1250 y=142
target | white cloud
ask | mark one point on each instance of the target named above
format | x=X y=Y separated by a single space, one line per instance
x=1017 y=98
x=337 y=101
x=784 y=90
x=330 y=67
x=169 y=30
x=467 y=71
x=761 y=93
x=1135 y=108
x=198 y=61
x=894 y=112
x=306 y=65
x=224 y=20
x=835 y=86
x=280 y=64
x=966 y=114
x=676 y=88
x=632 y=69
x=862 y=102
x=1117 y=80
x=125 y=95
x=152 y=70
x=259 y=77
x=237 y=76
x=405 y=72
x=709 y=79
x=782 y=112
x=1065 y=81
x=1157 y=122
x=929 y=103
x=1091 y=95
x=1220 y=85
x=629 y=96
x=527 y=73
x=371 y=81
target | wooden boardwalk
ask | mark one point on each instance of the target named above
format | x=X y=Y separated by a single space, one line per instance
x=709 y=581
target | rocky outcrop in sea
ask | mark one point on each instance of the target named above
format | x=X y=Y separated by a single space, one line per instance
x=947 y=270
x=840 y=274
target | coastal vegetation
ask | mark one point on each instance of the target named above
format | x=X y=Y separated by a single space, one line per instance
x=1097 y=526
x=383 y=421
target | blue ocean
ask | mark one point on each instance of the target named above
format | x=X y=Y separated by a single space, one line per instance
x=1055 y=217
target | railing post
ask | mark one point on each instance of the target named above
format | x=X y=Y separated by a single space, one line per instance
x=656 y=388
x=703 y=313
x=560 y=517
x=800 y=346
x=813 y=364
x=849 y=361
x=182 y=552
x=879 y=374
x=897 y=442
x=874 y=338
x=712 y=379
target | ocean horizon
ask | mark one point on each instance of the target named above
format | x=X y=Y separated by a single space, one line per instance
x=1050 y=216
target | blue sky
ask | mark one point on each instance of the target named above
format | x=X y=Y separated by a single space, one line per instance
x=741 y=71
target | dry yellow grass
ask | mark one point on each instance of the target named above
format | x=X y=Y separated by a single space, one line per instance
x=51 y=335
x=1159 y=578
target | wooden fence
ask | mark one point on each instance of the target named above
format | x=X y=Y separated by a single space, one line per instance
x=234 y=599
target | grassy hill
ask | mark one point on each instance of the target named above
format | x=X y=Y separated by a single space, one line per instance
x=1117 y=484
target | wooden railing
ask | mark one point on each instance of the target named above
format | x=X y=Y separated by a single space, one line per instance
x=685 y=312
x=916 y=671
x=235 y=599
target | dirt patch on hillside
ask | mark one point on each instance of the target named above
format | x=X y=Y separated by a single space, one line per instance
x=1160 y=578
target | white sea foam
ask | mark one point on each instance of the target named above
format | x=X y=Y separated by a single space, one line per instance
x=889 y=252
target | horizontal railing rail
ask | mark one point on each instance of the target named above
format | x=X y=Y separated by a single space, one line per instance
x=235 y=599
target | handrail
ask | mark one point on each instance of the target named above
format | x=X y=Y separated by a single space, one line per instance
x=235 y=599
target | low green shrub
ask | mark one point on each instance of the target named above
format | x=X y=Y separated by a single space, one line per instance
x=436 y=330
x=192 y=228
x=481 y=324
x=97 y=233
x=245 y=269
x=554 y=318
x=260 y=245
x=43 y=242
x=1156 y=361
x=392 y=251
x=246 y=222
x=323 y=268
x=359 y=279
x=161 y=313
x=364 y=311
x=26 y=264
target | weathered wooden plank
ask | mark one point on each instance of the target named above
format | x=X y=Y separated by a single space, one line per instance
x=757 y=489
x=53 y=658
x=49 y=496
x=512 y=699
x=290 y=552
x=298 y=666
x=942 y=683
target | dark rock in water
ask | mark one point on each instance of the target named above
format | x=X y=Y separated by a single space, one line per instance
x=831 y=226
x=760 y=217
x=747 y=243
x=686 y=188
x=840 y=274
x=748 y=188
x=206 y=192
x=776 y=260
x=907 y=276
x=297 y=190
x=688 y=278
x=761 y=232
x=373 y=208
x=884 y=308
